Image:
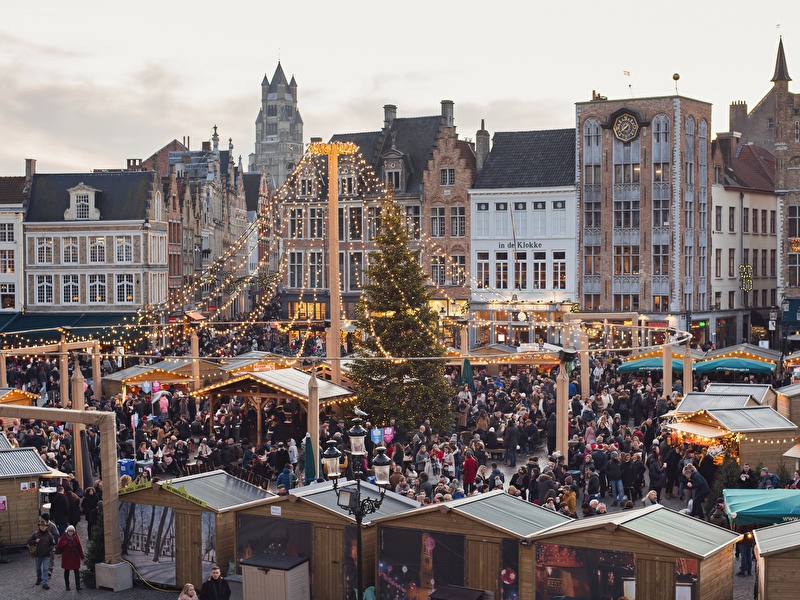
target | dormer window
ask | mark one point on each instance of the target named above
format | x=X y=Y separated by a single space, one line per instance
x=82 y=204
x=394 y=175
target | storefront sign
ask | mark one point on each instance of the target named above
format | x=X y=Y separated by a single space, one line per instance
x=519 y=245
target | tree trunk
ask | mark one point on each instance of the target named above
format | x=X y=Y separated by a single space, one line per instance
x=157 y=549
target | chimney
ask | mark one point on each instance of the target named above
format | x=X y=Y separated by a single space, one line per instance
x=316 y=140
x=481 y=147
x=30 y=171
x=206 y=146
x=447 y=113
x=737 y=116
x=389 y=115
x=134 y=164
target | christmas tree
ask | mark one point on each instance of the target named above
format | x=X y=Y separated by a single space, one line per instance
x=397 y=323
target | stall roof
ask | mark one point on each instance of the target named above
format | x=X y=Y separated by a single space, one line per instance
x=793 y=452
x=289 y=381
x=4 y=443
x=512 y=514
x=700 y=429
x=242 y=361
x=757 y=390
x=694 y=401
x=219 y=490
x=777 y=539
x=10 y=395
x=324 y=496
x=21 y=462
x=752 y=418
x=699 y=539
x=746 y=351
x=498 y=510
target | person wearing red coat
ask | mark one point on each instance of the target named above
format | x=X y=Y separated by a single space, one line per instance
x=470 y=470
x=69 y=545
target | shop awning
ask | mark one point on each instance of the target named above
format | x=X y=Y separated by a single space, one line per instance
x=735 y=365
x=648 y=364
x=698 y=429
x=761 y=507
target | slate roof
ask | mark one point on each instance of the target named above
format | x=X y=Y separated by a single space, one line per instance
x=781 y=70
x=278 y=78
x=415 y=137
x=12 y=190
x=21 y=462
x=530 y=159
x=123 y=195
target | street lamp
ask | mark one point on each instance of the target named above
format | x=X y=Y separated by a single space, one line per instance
x=350 y=499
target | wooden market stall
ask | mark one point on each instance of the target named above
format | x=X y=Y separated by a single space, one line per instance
x=20 y=470
x=18 y=397
x=789 y=402
x=654 y=553
x=754 y=434
x=777 y=556
x=176 y=370
x=283 y=387
x=309 y=523
x=479 y=542
x=174 y=531
x=695 y=401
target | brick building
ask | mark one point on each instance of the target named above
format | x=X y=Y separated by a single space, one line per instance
x=644 y=209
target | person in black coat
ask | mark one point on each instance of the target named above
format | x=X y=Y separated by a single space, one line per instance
x=59 y=509
x=215 y=587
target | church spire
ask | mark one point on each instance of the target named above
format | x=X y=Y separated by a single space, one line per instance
x=781 y=70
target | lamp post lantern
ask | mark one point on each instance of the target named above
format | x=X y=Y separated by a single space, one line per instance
x=350 y=498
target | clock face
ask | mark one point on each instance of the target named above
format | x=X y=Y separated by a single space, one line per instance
x=626 y=128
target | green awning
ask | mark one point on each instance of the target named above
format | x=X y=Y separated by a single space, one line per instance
x=44 y=327
x=654 y=363
x=761 y=507
x=734 y=365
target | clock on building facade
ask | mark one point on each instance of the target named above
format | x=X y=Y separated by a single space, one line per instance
x=626 y=127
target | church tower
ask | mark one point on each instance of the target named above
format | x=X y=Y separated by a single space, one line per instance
x=279 y=129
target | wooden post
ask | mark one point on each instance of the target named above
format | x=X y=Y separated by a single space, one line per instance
x=333 y=341
x=108 y=455
x=562 y=408
x=688 y=376
x=666 y=357
x=97 y=384
x=195 y=361
x=3 y=374
x=585 y=371
x=63 y=369
x=78 y=403
x=312 y=418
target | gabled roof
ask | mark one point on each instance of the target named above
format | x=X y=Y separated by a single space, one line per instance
x=414 y=137
x=752 y=168
x=292 y=382
x=752 y=418
x=12 y=190
x=759 y=391
x=218 y=490
x=660 y=524
x=777 y=539
x=123 y=195
x=694 y=401
x=21 y=462
x=745 y=351
x=159 y=161
x=324 y=496
x=530 y=159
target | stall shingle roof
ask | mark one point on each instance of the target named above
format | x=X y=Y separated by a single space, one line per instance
x=21 y=462
x=323 y=495
x=752 y=418
x=778 y=538
x=219 y=490
x=699 y=539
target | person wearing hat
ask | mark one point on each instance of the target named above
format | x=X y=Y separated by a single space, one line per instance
x=40 y=544
x=71 y=556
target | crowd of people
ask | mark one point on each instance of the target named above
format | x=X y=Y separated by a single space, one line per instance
x=503 y=438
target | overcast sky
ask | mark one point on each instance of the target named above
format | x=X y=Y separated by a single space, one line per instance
x=87 y=84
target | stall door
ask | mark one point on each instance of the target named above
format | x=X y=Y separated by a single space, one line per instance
x=483 y=566
x=659 y=576
x=327 y=567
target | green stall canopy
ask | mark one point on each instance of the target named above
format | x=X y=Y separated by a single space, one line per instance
x=733 y=364
x=654 y=363
x=762 y=507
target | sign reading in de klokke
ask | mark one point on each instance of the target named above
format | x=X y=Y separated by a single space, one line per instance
x=519 y=245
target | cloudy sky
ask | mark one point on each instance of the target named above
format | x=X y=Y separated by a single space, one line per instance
x=88 y=84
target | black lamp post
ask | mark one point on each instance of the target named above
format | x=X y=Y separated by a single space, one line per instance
x=350 y=499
